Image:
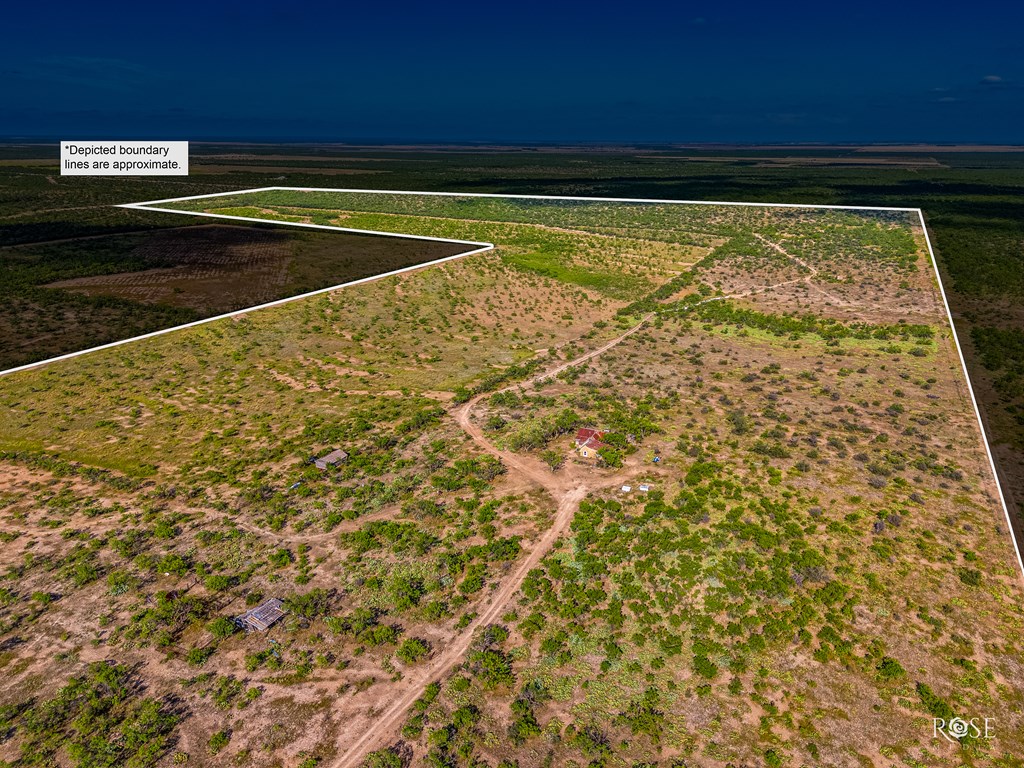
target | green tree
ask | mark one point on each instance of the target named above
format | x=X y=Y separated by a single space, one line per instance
x=554 y=459
x=412 y=650
x=218 y=741
x=222 y=627
x=611 y=457
x=383 y=758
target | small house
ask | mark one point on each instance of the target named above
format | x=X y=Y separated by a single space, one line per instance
x=262 y=617
x=588 y=442
x=331 y=459
x=644 y=487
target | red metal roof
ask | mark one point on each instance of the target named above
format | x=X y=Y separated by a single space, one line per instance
x=590 y=438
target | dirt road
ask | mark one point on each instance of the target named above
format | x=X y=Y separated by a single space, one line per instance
x=812 y=272
x=567 y=487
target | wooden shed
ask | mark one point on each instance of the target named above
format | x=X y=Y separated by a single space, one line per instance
x=262 y=617
x=330 y=459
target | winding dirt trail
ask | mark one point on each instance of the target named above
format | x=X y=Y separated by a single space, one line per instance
x=812 y=272
x=567 y=487
x=389 y=721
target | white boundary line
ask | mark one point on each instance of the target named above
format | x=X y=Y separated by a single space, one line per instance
x=148 y=204
x=482 y=247
x=153 y=205
x=970 y=390
x=148 y=207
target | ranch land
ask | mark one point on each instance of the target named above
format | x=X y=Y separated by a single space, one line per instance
x=786 y=546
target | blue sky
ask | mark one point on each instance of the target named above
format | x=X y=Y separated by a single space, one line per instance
x=527 y=71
